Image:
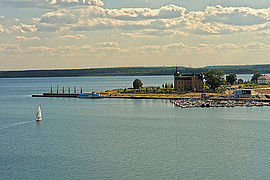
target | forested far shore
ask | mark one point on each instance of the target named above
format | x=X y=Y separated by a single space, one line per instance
x=134 y=71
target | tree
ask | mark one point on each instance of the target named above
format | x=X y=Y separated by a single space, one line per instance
x=255 y=77
x=231 y=79
x=240 y=81
x=137 y=83
x=214 y=78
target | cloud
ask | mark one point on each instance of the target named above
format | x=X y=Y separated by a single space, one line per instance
x=249 y=46
x=213 y=21
x=28 y=38
x=175 y=46
x=58 y=17
x=159 y=48
x=76 y=2
x=152 y=33
x=239 y=16
x=38 y=49
x=168 y=20
x=23 y=28
x=2 y=29
x=108 y=44
x=227 y=46
x=77 y=37
x=10 y=49
x=48 y=4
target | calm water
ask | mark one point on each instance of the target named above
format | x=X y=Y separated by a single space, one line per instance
x=126 y=139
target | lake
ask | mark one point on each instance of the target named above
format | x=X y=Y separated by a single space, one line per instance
x=126 y=138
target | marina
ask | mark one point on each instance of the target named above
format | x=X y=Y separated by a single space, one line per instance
x=200 y=103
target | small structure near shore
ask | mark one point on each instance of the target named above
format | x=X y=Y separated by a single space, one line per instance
x=242 y=93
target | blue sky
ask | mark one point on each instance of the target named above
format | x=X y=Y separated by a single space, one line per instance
x=53 y=34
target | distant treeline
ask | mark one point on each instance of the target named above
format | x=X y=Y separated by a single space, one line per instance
x=134 y=71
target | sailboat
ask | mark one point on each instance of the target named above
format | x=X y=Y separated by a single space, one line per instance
x=39 y=118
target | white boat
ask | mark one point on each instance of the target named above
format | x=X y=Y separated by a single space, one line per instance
x=39 y=117
x=90 y=95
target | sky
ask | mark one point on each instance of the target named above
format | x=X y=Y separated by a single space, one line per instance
x=60 y=34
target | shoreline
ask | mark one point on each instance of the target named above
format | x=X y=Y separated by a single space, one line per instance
x=154 y=96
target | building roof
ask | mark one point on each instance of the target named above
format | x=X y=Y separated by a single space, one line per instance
x=264 y=76
x=183 y=78
x=187 y=76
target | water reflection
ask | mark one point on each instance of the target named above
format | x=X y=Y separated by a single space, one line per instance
x=39 y=123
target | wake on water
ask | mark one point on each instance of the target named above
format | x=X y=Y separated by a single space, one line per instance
x=13 y=124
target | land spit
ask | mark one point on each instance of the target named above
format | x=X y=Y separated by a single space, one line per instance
x=175 y=99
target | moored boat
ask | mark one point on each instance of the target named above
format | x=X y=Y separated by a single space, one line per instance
x=90 y=95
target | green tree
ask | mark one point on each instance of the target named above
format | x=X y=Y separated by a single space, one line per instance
x=255 y=77
x=137 y=83
x=240 y=81
x=214 y=78
x=231 y=79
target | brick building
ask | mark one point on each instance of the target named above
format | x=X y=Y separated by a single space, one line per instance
x=188 y=82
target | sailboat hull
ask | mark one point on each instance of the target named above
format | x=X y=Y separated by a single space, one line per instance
x=39 y=119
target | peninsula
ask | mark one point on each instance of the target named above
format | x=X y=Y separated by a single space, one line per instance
x=210 y=85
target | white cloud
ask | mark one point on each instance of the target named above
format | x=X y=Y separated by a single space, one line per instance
x=23 y=28
x=10 y=48
x=249 y=46
x=48 y=4
x=78 y=36
x=159 y=48
x=76 y=2
x=28 y=38
x=2 y=28
x=108 y=44
x=227 y=46
x=175 y=46
x=236 y=15
x=58 y=17
x=213 y=21
x=152 y=33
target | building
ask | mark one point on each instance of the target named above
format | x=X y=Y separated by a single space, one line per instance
x=242 y=93
x=188 y=82
x=264 y=79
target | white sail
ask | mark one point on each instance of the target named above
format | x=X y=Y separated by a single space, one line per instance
x=39 y=117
